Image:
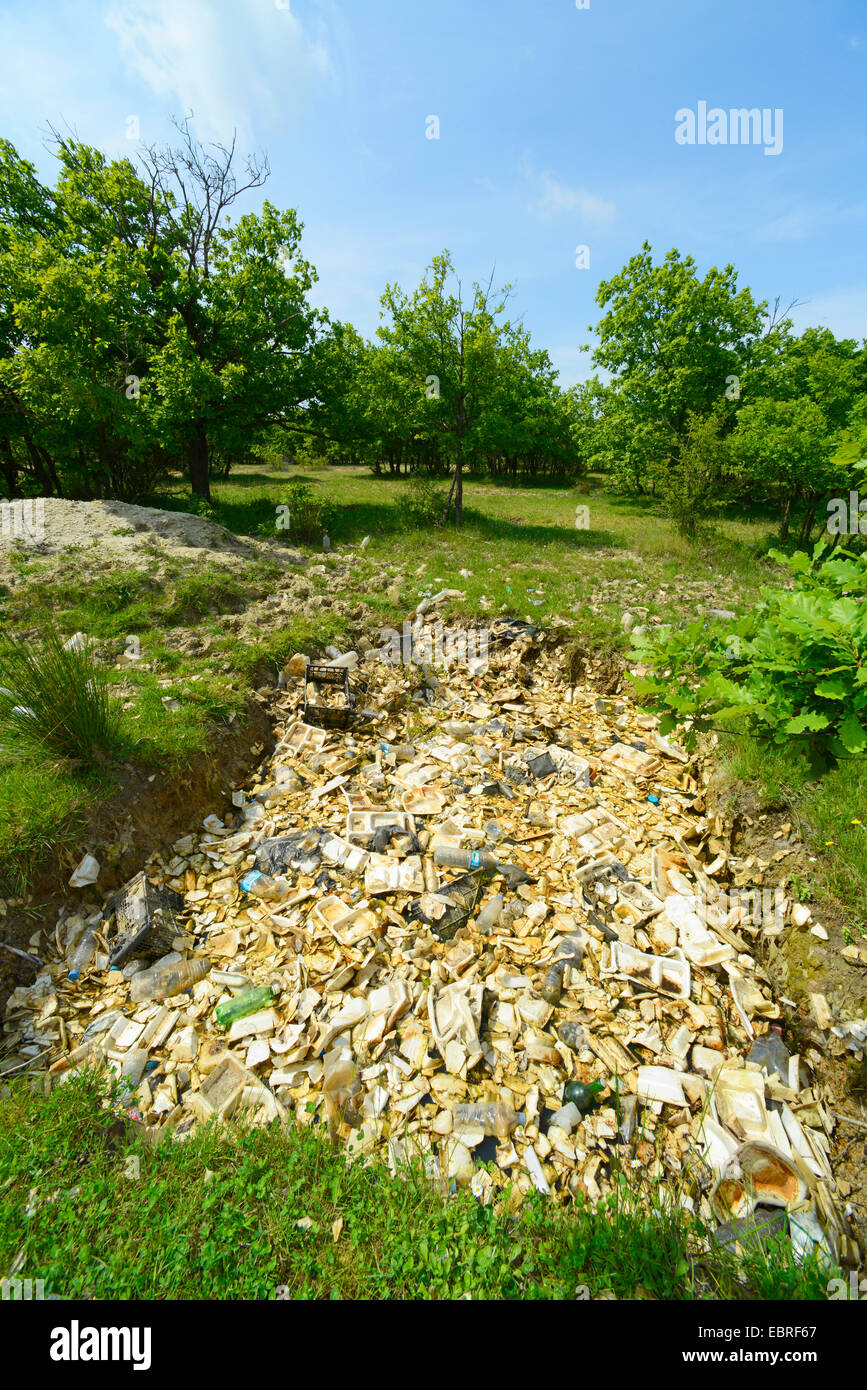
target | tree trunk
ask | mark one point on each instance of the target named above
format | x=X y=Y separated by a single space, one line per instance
x=784 y=518
x=807 y=525
x=9 y=468
x=36 y=460
x=448 y=505
x=197 y=462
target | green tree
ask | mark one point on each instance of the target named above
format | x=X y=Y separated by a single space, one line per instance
x=240 y=329
x=694 y=487
x=676 y=347
x=138 y=324
x=784 y=450
x=795 y=444
x=444 y=356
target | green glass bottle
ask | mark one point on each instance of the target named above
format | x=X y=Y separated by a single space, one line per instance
x=247 y=1002
x=582 y=1096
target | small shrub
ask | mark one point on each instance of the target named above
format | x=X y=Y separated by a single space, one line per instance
x=691 y=488
x=200 y=506
x=309 y=514
x=423 y=502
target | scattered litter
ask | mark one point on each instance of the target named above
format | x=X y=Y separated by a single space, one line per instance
x=443 y=932
x=86 y=873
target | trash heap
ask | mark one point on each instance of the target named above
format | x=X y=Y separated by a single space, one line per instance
x=473 y=918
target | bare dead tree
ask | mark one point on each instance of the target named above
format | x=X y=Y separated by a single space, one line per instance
x=776 y=318
x=197 y=183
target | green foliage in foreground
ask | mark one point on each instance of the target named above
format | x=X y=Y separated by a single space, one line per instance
x=217 y=1217
x=794 y=668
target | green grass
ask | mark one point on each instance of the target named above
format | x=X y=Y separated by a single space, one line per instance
x=519 y=542
x=44 y=802
x=54 y=702
x=216 y=1217
x=42 y=812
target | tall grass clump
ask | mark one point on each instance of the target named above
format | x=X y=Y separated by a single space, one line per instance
x=54 y=703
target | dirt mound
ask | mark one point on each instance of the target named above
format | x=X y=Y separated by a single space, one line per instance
x=131 y=534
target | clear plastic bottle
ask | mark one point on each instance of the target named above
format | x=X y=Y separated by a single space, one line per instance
x=265 y=887
x=167 y=978
x=82 y=953
x=571 y=1033
x=250 y=1001
x=492 y=1116
x=452 y=858
x=628 y=1109
x=770 y=1052
x=490 y=913
x=340 y=1084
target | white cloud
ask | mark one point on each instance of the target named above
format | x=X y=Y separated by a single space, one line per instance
x=558 y=198
x=240 y=67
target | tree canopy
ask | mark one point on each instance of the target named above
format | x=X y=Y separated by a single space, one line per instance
x=147 y=329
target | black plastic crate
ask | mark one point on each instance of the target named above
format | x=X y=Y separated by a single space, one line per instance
x=142 y=921
x=329 y=716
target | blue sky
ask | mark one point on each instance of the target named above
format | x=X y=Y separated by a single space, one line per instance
x=556 y=129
